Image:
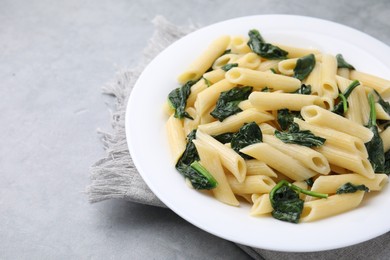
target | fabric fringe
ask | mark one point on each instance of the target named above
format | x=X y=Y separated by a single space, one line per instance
x=115 y=176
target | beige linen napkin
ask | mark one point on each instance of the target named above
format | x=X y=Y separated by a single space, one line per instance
x=115 y=176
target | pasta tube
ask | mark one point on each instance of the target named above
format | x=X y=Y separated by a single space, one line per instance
x=279 y=161
x=319 y=116
x=259 y=79
x=201 y=64
x=210 y=160
x=333 y=205
x=229 y=158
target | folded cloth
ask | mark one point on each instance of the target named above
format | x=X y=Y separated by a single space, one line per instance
x=115 y=177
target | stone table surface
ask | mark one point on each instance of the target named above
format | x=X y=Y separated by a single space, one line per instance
x=54 y=58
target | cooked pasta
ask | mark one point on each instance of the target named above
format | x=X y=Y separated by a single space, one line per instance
x=266 y=126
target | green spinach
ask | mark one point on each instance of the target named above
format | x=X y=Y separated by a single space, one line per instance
x=199 y=179
x=248 y=134
x=211 y=181
x=263 y=49
x=304 y=66
x=228 y=101
x=178 y=99
x=285 y=201
x=303 y=90
x=342 y=106
x=302 y=137
x=225 y=137
x=228 y=51
x=286 y=117
x=310 y=182
x=387 y=163
x=351 y=188
x=376 y=153
x=341 y=63
x=229 y=66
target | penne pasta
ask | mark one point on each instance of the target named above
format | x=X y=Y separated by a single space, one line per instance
x=210 y=160
x=379 y=84
x=333 y=205
x=328 y=76
x=329 y=184
x=314 y=80
x=343 y=72
x=260 y=80
x=286 y=67
x=239 y=45
x=240 y=99
x=381 y=114
x=225 y=59
x=305 y=155
x=191 y=124
x=229 y=158
x=256 y=167
x=267 y=65
x=276 y=101
x=249 y=61
x=335 y=138
x=201 y=64
x=352 y=162
x=208 y=97
x=251 y=184
x=385 y=136
x=279 y=161
x=234 y=122
x=267 y=129
x=176 y=137
x=261 y=205
x=195 y=90
x=296 y=52
x=319 y=116
x=354 y=107
x=214 y=76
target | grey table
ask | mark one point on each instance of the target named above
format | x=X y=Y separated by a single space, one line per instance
x=54 y=57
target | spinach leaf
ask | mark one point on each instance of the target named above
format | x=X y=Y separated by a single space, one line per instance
x=304 y=66
x=301 y=137
x=342 y=107
x=387 y=163
x=178 y=99
x=310 y=182
x=286 y=204
x=228 y=51
x=285 y=201
x=198 y=179
x=341 y=63
x=228 y=101
x=285 y=117
x=211 y=181
x=350 y=188
x=303 y=90
x=225 y=137
x=248 y=134
x=263 y=49
x=229 y=66
x=376 y=153
x=266 y=89
x=383 y=103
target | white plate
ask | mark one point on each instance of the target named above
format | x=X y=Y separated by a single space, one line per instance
x=149 y=149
